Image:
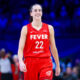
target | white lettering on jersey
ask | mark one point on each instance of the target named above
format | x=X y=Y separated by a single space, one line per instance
x=42 y=36
x=48 y=73
x=38 y=52
x=38 y=36
x=34 y=36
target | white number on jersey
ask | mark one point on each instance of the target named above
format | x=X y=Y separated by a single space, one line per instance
x=39 y=43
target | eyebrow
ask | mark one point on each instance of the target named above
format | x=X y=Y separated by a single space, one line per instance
x=37 y=9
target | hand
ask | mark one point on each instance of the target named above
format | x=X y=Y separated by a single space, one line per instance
x=22 y=66
x=57 y=72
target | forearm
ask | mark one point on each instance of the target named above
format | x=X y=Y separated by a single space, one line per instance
x=22 y=43
x=55 y=55
x=20 y=55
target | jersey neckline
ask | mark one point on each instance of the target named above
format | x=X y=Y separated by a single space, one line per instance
x=35 y=28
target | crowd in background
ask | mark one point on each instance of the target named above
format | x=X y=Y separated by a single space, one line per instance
x=64 y=15
x=9 y=68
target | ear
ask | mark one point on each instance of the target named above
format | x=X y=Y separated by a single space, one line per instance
x=30 y=13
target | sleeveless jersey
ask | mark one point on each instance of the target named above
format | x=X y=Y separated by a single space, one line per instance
x=37 y=42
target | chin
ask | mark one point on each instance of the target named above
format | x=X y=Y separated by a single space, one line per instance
x=38 y=18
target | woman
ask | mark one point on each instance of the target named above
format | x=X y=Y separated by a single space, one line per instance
x=34 y=43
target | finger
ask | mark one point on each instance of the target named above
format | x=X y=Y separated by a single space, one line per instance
x=25 y=71
x=21 y=69
x=24 y=68
x=57 y=73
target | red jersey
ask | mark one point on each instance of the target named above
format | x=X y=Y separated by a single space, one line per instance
x=37 y=42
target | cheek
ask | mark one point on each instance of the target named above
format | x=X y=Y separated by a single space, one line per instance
x=41 y=14
x=31 y=14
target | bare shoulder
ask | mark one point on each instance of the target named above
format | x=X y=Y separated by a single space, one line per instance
x=24 y=29
x=51 y=29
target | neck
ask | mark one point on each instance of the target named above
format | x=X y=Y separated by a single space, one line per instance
x=36 y=23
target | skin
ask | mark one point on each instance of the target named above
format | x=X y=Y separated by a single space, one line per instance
x=54 y=50
x=36 y=13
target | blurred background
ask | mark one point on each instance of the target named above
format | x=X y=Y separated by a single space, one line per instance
x=64 y=15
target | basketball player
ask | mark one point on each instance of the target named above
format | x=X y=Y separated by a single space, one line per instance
x=35 y=40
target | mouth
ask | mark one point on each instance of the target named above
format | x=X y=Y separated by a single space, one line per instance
x=37 y=15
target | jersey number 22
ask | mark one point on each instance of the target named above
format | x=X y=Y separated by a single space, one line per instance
x=39 y=44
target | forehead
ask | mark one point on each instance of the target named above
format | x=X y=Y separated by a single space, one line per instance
x=36 y=7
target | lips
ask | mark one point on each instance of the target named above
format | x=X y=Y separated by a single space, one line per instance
x=37 y=15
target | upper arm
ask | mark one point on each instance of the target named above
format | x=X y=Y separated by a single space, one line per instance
x=23 y=37
x=52 y=38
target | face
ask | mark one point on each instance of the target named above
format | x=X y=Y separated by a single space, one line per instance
x=68 y=70
x=75 y=70
x=15 y=60
x=36 y=12
x=2 y=54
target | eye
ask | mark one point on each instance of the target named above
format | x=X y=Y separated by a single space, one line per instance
x=40 y=10
x=35 y=10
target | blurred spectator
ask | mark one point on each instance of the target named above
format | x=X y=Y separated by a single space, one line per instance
x=79 y=72
x=9 y=56
x=63 y=66
x=15 y=68
x=68 y=62
x=15 y=59
x=77 y=62
x=5 y=67
x=68 y=74
x=71 y=74
x=75 y=72
x=0 y=67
